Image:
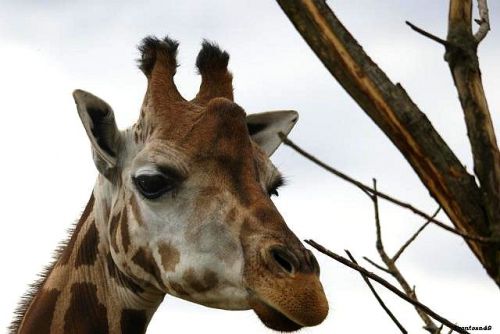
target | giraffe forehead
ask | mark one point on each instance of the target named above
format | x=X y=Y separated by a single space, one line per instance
x=223 y=126
x=220 y=128
x=198 y=128
x=186 y=119
x=171 y=125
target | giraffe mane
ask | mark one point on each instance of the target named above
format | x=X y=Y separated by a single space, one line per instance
x=33 y=288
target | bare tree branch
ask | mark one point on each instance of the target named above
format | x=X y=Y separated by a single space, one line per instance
x=427 y=34
x=369 y=191
x=430 y=326
x=380 y=301
x=413 y=237
x=376 y=265
x=386 y=284
x=484 y=21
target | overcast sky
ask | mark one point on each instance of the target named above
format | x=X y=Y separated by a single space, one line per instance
x=50 y=48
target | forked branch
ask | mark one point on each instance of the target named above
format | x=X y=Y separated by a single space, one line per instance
x=378 y=298
x=386 y=284
x=392 y=268
x=413 y=237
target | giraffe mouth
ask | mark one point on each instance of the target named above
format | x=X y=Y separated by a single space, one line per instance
x=272 y=317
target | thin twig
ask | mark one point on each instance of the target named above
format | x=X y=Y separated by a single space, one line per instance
x=430 y=326
x=428 y=34
x=386 y=284
x=378 y=266
x=413 y=237
x=484 y=21
x=380 y=301
x=379 y=244
x=369 y=191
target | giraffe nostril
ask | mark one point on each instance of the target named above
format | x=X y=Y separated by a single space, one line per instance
x=285 y=259
x=314 y=263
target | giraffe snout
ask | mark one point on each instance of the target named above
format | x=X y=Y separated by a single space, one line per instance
x=289 y=295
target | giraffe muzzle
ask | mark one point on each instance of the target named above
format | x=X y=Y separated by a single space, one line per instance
x=288 y=294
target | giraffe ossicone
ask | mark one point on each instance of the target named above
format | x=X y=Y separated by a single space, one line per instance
x=182 y=207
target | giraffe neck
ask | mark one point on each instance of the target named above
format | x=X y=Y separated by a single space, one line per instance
x=85 y=292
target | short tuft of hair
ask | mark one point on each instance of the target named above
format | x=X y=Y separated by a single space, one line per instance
x=151 y=46
x=211 y=58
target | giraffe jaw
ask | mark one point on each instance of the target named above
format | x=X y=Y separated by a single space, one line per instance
x=281 y=310
x=273 y=318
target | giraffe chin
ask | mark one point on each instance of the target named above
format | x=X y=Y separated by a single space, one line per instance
x=273 y=318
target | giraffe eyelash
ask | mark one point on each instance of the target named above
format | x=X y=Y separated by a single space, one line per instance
x=277 y=183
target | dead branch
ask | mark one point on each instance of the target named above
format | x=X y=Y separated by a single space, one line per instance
x=413 y=237
x=484 y=20
x=430 y=326
x=376 y=265
x=408 y=128
x=386 y=284
x=427 y=34
x=379 y=299
x=370 y=191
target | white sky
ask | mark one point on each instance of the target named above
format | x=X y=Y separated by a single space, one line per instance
x=52 y=48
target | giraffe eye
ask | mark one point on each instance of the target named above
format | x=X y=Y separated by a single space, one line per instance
x=153 y=186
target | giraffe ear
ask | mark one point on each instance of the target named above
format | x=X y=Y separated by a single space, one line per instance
x=264 y=128
x=99 y=122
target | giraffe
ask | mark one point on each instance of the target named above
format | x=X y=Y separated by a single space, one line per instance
x=181 y=206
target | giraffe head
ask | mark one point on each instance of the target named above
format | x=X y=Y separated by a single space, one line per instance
x=186 y=192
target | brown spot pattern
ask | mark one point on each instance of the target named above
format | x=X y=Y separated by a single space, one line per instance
x=85 y=313
x=231 y=216
x=39 y=316
x=133 y=321
x=178 y=289
x=87 y=253
x=122 y=279
x=124 y=230
x=113 y=225
x=169 y=256
x=148 y=264
x=208 y=282
x=135 y=210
